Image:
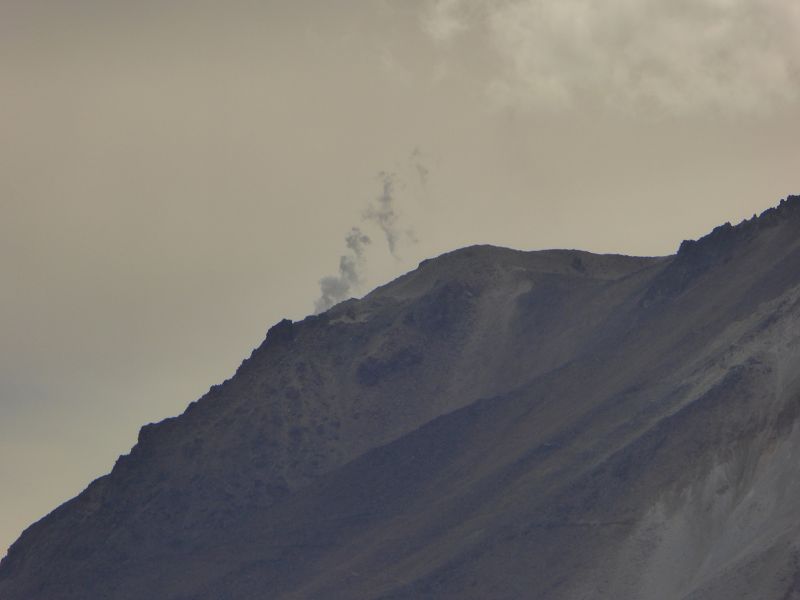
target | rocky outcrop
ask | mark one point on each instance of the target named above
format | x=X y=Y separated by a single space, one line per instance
x=725 y=243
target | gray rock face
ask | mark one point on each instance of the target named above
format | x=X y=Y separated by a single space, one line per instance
x=494 y=424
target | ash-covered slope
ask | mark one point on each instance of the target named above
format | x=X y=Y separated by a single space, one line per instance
x=495 y=424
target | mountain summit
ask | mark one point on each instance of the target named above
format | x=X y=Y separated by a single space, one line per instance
x=494 y=424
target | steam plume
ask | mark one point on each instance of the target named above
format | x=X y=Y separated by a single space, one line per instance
x=416 y=161
x=382 y=213
x=335 y=288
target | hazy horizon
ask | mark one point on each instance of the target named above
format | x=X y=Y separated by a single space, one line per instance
x=177 y=178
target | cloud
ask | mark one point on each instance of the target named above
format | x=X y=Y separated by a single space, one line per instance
x=675 y=56
x=444 y=19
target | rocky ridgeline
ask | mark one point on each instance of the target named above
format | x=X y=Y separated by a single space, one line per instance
x=494 y=424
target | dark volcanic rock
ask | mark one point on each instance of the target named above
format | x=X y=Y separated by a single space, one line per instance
x=494 y=424
x=722 y=245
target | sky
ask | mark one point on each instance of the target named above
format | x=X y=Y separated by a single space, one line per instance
x=176 y=176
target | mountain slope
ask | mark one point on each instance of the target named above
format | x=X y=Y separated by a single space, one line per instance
x=495 y=424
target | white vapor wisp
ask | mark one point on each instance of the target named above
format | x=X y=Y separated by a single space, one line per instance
x=335 y=288
x=382 y=213
x=655 y=56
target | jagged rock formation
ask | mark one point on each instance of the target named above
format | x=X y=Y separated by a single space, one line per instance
x=494 y=424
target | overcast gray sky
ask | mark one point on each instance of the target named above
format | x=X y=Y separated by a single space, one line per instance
x=177 y=176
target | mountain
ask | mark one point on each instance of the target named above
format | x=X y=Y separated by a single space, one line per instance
x=495 y=424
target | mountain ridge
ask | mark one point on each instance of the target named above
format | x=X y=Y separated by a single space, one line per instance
x=501 y=397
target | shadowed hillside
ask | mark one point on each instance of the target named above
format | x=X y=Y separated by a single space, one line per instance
x=494 y=424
